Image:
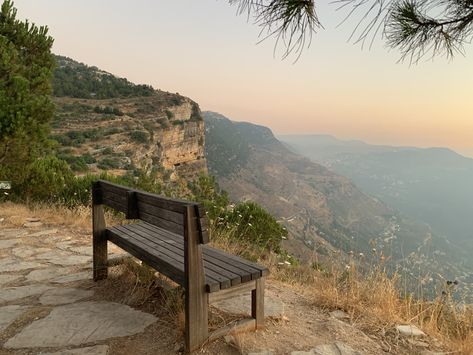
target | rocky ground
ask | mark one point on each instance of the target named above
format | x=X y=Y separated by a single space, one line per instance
x=50 y=305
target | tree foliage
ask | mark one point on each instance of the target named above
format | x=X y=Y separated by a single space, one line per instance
x=415 y=27
x=26 y=66
x=78 y=80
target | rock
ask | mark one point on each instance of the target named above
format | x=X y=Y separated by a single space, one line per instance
x=15 y=293
x=33 y=224
x=33 y=219
x=63 y=258
x=273 y=306
x=8 y=314
x=8 y=265
x=264 y=352
x=85 y=250
x=337 y=348
x=85 y=275
x=13 y=233
x=41 y=233
x=428 y=352
x=409 y=330
x=8 y=278
x=339 y=314
x=47 y=274
x=7 y=243
x=64 y=295
x=90 y=350
x=80 y=323
x=420 y=344
x=27 y=252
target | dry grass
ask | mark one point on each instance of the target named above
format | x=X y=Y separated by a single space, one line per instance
x=375 y=303
x=15 y=215
x=373 y=300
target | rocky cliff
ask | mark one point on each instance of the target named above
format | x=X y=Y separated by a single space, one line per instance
x=128 y=128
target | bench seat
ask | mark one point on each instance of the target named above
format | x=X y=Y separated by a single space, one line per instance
x=164 y=251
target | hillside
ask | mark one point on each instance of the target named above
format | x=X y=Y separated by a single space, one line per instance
x=322 y=210
x=432 y=185
x=105 y=123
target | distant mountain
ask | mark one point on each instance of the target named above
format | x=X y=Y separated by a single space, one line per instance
x=322 y=210
x=434 y=185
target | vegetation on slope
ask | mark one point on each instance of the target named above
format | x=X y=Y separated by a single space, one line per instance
x=73 y=79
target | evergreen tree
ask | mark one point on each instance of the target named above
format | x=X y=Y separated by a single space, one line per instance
x=26 y=66
x=415 y=27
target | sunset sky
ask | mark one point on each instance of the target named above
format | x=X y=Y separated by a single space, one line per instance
x=202 y=50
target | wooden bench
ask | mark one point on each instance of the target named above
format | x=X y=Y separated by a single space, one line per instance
x=171 y=236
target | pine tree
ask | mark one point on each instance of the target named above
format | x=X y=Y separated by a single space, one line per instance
x=26 y=66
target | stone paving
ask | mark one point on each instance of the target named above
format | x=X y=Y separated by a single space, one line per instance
x=42 y=271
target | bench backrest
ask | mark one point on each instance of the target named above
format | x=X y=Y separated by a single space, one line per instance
x=167 y=213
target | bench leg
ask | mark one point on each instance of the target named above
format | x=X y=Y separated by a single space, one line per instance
x=197 y=321
x=99 y=243
x=257 y=303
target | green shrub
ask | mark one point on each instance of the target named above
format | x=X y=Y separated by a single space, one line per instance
x=109 y=163
x=169 y=114
x=139 y=136
x=46 y=179
x=254 y=224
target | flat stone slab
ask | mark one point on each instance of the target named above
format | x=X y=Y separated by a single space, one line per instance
x=81 y=323
x=8 y=314
x=58 y=296
x=90 y=350
x=13 y=233
x=27 y=252
x=33 y=224
x=273 y=306
x=8 y=243
x=41 y=233
x=409 y=330
x=8 y=265
x=337 y=348
x=63 y=258
x=86 y=250
x=15 y=293
x=8 y=278
x=47 y=274
x=84 y=275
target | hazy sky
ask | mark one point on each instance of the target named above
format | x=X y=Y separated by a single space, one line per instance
x=200 y=49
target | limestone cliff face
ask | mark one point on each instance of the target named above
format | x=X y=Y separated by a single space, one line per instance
x=164 y=132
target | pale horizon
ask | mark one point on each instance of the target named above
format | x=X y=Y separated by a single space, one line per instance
x=203 y=51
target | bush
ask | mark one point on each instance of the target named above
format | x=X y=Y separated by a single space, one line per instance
x=255 y=225
x=139 y=136
x=46 y=179
x=109 y=163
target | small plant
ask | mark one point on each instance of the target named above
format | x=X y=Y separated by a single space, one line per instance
x=139 y=136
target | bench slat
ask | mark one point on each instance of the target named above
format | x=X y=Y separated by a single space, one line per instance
x=214 y=282
x=163 y=223
x=211 y=268
x=225 y=279
x=161 y=262
x=162 y=213
x=244 y=267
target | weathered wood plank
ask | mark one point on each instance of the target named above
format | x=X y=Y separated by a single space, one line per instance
x=99 y=237
x=257 y=303
x=163 y=223
x=163 y=213
x=210 y=253
x=211 y=265
x=196 y=297
x=161 y=262
x=132 y=211
x=231 y=292
x=176 y=250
